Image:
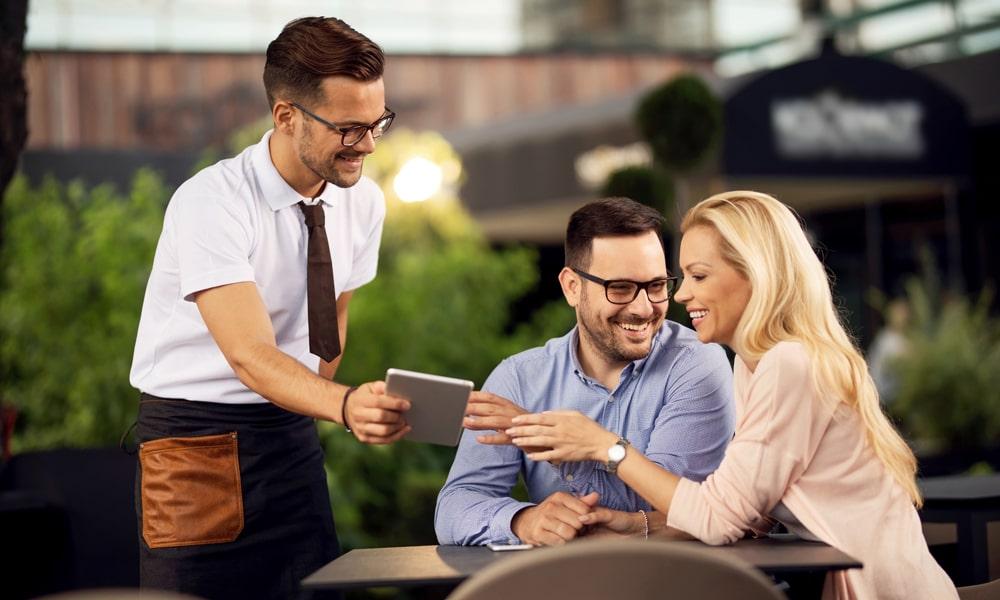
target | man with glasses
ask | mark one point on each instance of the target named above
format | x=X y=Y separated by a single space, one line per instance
x=243 y=326
x=646 y=378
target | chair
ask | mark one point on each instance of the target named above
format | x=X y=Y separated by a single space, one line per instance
x=591 y=570
x=67 y=522
x=983 y=591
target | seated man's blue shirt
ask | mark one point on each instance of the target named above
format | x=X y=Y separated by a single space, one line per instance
x=674 y=405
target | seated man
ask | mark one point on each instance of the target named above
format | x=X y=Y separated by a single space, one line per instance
x=623 y=365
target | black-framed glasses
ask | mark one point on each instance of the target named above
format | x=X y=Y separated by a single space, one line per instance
x=354 y=134
x=624 y=291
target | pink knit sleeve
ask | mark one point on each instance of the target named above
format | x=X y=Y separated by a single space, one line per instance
x=776 y=435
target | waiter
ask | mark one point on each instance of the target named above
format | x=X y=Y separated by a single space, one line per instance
x=243 y=325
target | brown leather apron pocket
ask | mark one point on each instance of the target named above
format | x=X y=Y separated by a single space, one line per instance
x=191 y=491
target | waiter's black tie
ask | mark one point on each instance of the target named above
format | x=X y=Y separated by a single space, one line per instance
x=324 y=335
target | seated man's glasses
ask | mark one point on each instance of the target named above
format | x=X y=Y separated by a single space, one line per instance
x=624 y=291
x=354 y=134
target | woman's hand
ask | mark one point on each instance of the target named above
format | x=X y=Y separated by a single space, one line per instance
x=568 y=435
x=605 y=522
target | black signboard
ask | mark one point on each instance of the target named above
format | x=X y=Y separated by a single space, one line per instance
x=845 y=116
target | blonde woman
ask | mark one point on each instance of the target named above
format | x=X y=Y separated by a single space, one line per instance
x=812 y=447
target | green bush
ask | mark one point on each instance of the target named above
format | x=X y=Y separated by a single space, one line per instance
x=442 y=308
x=440 y=304
x=649 y=185
x=73 y=269
x=949 y=378
x=682 y=121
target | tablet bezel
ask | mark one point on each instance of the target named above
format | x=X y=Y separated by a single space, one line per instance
x=437 y=404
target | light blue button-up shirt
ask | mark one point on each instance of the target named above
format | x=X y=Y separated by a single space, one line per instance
x=674 y=405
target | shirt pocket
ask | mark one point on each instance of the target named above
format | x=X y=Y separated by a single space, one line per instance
x=190 y=490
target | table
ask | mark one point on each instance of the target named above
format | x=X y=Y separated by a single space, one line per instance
x=970 y=502
x=413 y=566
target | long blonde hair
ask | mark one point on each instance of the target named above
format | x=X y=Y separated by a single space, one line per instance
x=790 y=300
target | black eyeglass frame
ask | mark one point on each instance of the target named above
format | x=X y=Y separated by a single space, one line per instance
x=639 y=286
x=344 y=131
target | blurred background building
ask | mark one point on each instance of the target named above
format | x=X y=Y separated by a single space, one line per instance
x=875 y=119
x=525 y=90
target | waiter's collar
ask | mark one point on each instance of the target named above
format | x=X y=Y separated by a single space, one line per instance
x=276 y=190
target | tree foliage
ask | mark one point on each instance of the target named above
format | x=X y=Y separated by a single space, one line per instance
x=440 y=304
x=682 y=122
x=75 y=267
x=13 y=100
x=649 y=185
x=949 y=376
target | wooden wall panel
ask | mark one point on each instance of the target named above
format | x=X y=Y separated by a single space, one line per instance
x=185 y=101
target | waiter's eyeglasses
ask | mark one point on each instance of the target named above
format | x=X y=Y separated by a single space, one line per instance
x=354 y=134
x=624 y=291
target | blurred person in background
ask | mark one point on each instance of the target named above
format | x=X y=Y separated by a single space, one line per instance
x=812 y=447
x=889 y=344
x=243 y=325
x=647 y=379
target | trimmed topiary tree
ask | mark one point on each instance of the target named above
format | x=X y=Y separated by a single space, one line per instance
x=682 y=122
x=651 y=186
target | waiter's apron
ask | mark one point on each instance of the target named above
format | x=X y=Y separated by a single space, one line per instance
x=231 y=499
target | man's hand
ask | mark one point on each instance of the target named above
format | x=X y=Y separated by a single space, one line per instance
x=376 y=417
x=489 y=412
x=555 y=521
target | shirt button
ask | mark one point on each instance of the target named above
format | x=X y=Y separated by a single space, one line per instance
x=569 y=478
x=611 y=398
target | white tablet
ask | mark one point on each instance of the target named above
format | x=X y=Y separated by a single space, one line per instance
x=437 y=404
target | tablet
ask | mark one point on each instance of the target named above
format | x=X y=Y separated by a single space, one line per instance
x=437 y=404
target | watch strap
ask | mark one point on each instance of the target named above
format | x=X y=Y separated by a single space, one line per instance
x=612 y=465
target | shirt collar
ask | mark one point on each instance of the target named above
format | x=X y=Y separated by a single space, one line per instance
x=634 y=367
x=574 y=342
x=276 y=190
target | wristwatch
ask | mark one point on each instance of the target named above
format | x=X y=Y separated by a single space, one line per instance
x=616 y=454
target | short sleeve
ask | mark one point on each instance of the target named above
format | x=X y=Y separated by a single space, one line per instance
x=366 y=259
x=214 y=239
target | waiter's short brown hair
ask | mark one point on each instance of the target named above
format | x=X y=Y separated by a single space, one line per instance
x=607 y=218
x=312 y=48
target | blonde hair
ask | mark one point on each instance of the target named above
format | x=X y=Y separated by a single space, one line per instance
x=764 y=241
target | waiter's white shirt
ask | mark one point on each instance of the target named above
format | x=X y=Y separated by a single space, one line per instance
x=237 y=221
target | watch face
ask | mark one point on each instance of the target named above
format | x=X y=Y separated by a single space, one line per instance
x=616 y=452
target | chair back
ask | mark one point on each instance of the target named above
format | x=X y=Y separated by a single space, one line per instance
x=598 y=569
x=983 y=591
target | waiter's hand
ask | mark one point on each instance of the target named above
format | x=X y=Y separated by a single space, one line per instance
x=376 y=417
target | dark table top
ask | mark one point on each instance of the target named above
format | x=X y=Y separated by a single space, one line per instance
x=431 y=565
x=961 y=487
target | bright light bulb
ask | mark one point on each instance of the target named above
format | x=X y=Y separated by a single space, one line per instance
x=418 y=180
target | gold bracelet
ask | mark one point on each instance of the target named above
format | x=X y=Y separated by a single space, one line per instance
x=645 y=524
